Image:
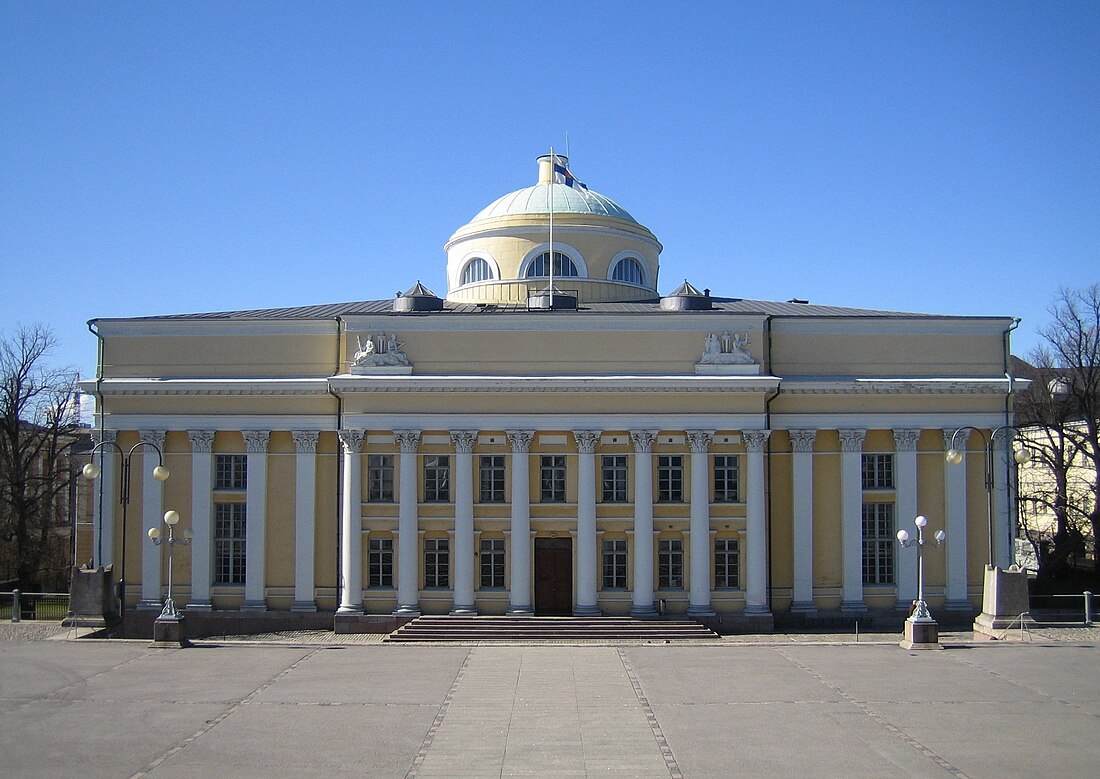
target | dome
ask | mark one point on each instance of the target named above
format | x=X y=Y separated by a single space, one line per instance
x=567 y=200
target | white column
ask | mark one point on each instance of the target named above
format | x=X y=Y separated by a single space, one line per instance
x=643 y=522
x=255 y=546
x=152 y=515
x=851 y=528
x=105 y=498
x=802 y=446
x=1002 y=523
x=408 y=593
x=905 y=511
x=520 y=551
x=699 y=535
x=756 y=594
x=351 y=523
x=463 y=558
x=586 y=548
x=305 y=518
x=955 y=551
x=202 y=524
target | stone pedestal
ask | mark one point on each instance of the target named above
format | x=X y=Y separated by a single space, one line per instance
x=921 y=634
x=168 y=632
x=92 y=601
x=1004 y=602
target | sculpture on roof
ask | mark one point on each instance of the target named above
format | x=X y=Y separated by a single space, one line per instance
x=726 y=350
x=378 y=351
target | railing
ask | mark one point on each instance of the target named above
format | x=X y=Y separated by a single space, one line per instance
x=1085 y=608
x=48 y=606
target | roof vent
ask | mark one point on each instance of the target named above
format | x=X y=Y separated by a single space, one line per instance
x=551 y=299
x=686 y=298
x=417 y=298
x=800 y=301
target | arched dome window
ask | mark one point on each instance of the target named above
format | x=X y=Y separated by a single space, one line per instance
x=540 y=266
x=476 y=270
x=628 y=269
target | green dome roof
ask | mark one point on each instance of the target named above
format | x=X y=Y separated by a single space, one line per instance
x=567 y=200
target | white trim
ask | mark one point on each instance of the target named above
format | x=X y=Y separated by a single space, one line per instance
x=896 y=386
x=571 y=252
x=220 y=422
x=923 y=421
x=347 y=383
x=636 y=256
x=553 y=422
x=527 y=230
x=221 y=386
x=469 y=257
x=258 y=327
x=887 y=324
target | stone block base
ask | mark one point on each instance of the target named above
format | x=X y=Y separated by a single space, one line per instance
x=921 y=634
x=169 y=633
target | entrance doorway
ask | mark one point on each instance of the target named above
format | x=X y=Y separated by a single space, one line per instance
x=553 y=576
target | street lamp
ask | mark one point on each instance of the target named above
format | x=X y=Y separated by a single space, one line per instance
x=92 y=471
x=921 y=631
x=171 y=518
x=1020 y=454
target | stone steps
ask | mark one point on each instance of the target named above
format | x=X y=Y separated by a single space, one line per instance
x=491 y=628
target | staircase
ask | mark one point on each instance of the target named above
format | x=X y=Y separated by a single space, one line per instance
x=567 y=629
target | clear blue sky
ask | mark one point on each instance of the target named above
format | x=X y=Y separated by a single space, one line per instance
x=164 y=158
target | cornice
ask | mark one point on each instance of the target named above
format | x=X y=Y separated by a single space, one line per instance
x=897 y=386
x=742 y=384
x=207 y=387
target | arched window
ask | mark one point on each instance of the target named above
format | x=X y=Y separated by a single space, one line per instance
x=628 y=269
x=540 y=266
x=476 y=269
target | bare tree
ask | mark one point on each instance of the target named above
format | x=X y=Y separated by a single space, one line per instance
x=39 y=419
x=1063 y=406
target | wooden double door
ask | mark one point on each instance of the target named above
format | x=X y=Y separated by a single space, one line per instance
x=553 y=576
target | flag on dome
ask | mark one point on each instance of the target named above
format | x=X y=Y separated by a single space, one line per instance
x=562 y=175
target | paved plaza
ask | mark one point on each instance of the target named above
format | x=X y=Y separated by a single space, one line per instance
x=763 y=706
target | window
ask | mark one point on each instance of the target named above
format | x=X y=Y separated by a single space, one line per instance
x=492 y=563
x=614 y=478
x=670 y=564
x=629 y=270
x=229 y=538
x=878 y=543
x=476 y=269
x=614 y=564
x=727 y=564
x=878 y=471
x=540 y=266
x=437 y=479
x=380 y=478
x=230 y=472
x=553 y=479
x=727 y=478
x=492 y=478
x=380 y=562
x=670 y=478
x=437 y=563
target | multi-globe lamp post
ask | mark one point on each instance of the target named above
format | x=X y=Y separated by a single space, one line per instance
x=168 y=628
x=92 y=471
x=921 y=631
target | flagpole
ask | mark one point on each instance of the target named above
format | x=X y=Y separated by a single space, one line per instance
x=553 y=174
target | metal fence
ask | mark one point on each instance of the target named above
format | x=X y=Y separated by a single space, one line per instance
x=1069 y=608
x=16 y=606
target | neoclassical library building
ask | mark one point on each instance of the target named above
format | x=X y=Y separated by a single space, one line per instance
x=552 y=436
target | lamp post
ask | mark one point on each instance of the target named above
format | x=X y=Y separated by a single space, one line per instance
x=920 y=612
x=168 y=628
x=1020 y=454
x=92 y=471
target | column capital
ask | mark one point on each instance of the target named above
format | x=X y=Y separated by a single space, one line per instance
x=305 y=440
x=905 y=439
x=520 y=440
x=756 y=440
x=351 y=439
x=201 y=440
x=851 y=439
x=643 y=440
x=464 y=440
x=408 y=440
x=586 y=440
x=802 y=440
x=255 y=441
x=955 y=437
x=154 y=437
x=699 y=440
x=100 y=436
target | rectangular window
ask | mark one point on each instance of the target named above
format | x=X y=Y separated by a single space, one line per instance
x=670 y=478
x=229 y=543
x=380 y=562
x=670 y=564
x=727 y=478
x=492 y=478
x=553 y=479
x=614 y=478
x=230 y=472
x=878 y=543
x=437 y=563
x=614 y=564
x=437 y=479
x=492 y=563
x=727 y=564
x=380 y=478
x=878 y=471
